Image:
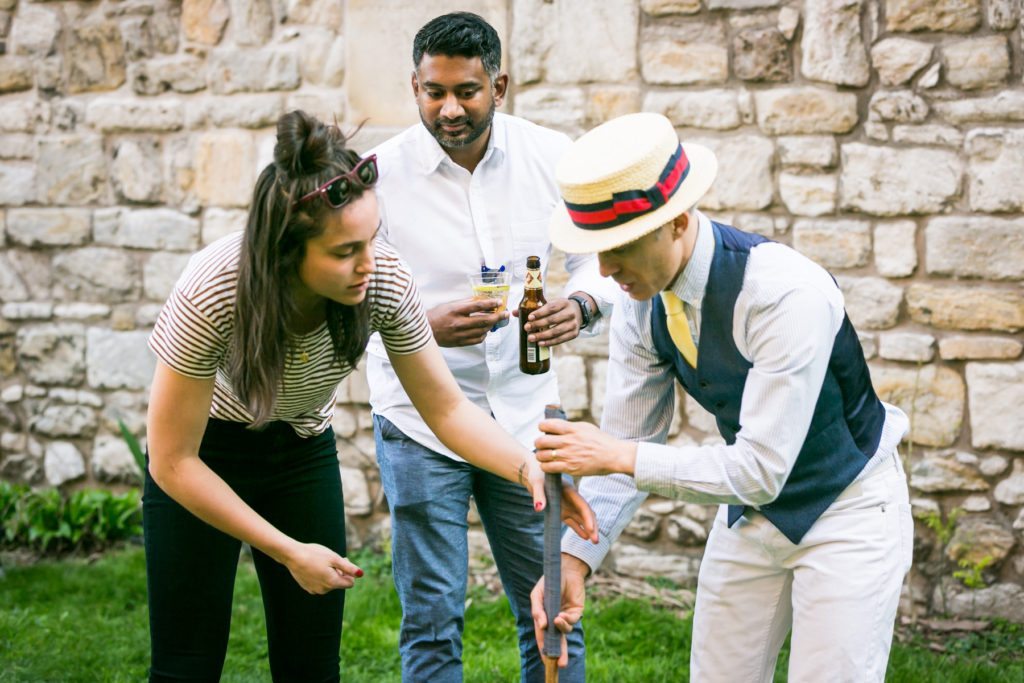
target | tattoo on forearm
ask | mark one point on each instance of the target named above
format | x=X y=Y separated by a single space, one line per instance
x=519 y=474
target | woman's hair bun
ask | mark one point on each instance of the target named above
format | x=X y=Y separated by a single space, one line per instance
x=305 y=145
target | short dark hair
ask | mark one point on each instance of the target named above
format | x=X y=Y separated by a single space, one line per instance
x=459 y=34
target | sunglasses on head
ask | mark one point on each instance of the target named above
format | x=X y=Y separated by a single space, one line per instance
x=339 y=190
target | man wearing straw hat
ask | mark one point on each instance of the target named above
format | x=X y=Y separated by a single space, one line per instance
x=813 y=533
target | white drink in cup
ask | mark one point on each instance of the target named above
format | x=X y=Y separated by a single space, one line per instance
x=492 y=285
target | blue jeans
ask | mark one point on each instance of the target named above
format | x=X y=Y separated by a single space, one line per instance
x=428 y=494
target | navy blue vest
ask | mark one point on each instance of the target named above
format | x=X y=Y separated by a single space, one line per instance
x=847 y=423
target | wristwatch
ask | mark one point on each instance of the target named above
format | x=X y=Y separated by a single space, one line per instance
x=585 y=312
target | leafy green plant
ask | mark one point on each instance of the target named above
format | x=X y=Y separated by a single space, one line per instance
x=970 y=572
x=134 y=447
x=943 y=528
x=46 y=521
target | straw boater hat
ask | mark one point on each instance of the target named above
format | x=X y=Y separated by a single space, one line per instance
x=624 y=179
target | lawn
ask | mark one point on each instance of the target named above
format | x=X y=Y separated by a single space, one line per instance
x=86 y=621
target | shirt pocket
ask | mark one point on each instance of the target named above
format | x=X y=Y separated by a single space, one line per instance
x=529 y=238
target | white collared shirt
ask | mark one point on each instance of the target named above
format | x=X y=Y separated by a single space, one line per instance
x=785 y=320
x=446 y=223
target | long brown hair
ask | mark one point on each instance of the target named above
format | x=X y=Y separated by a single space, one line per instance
x=307 y=154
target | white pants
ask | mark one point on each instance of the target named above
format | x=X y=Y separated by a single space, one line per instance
x=838 y=589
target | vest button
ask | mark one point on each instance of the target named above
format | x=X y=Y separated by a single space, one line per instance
x=704 y=384
x=720 y=405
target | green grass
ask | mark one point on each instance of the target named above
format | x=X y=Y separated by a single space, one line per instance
x=80 y=621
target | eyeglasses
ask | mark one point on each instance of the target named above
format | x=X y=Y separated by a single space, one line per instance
x=339 y=190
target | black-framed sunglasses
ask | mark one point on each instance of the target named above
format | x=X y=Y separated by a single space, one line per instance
x=339 y=190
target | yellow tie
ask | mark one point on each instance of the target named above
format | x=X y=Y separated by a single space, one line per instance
x=678 y=327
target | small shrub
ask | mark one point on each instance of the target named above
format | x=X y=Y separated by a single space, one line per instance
x=48 y=522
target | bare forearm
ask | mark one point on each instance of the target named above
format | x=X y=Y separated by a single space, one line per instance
x=191 y=483
x=501 y=454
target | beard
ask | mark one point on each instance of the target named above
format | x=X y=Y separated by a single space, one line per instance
x=472 y=133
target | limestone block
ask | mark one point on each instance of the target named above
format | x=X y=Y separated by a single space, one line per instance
x=644 y=525
x=18 y=146
x=896 y=248
x=897 y=105
x=160 y=273
x=598 y=387
x=713 y=109
x=16 y=74
x=572 y=385
x=977 y=62
x=62 y=463
x=252 y=21
x=898 y=60
x=71 y=169
x=180 y=73
x=642 y=563
x=358 y=389
x=246 y=111
x=995 y=155
x=95 y=274
x=603 y=46
x=872 y=303
x=329 y=13
x=608 y=102
x=128 y=407
x=808 y=195
x=979 y=348
x=225 y=168
x=662 y=7
x=48 y=227
x=699 y=418
x=976 y=504
x=78 y=311
x=24 y=276
x=966 y=308
x=832 y=46
x=955 y=16
x=755 y=223
x=761 y=54
x=978 y=537
x=57 y=420
x=23 y=115
x=928 y=134
x=357 y=492
x=907 y=346
x=789 y=20
x=886 y=182
x=17 y=184
x=220 y=222
x=789 y=111
x=232 y=71
x=996 y=393
x=27 y=310
x=741 y=4
x=557 y=107
x=118 y=360
x=118 y=115
x=326 y=105
x=868 y=345
x=818 y=151
x=94 y=57
x=666 y=61
x=112 y=460
x=147 y=229
x=939 y=472
x=744 y=178
x=1002 y=14
x=842 y=243
x=1010 y=491
x=34 y=31
x=1005 y=106
x=981 y=246
x=203 y=21
x=52 y=354
x=136 y=171
x=685 y=531
x=932 y=397
x=1003 y=600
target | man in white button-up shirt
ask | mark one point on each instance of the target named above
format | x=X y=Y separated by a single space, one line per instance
x=814 y=533
x=469 y=188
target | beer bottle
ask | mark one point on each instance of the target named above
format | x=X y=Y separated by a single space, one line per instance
x=533 y=358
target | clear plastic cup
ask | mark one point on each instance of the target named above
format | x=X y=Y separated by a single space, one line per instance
x=492 y=285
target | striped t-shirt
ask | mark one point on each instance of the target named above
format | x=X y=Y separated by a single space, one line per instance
x=195 y=326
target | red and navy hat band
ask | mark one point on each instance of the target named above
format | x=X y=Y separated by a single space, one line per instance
x=631 y=204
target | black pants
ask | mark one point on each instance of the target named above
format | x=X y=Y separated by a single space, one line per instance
x=294 y=483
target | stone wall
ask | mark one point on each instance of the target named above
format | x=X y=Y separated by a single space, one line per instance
x=882 y=138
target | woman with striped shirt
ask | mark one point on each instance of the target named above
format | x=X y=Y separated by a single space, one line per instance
x=251 y=345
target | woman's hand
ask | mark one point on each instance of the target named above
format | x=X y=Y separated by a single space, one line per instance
x=576 y=513
x=318 y=569
x=581 y=449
